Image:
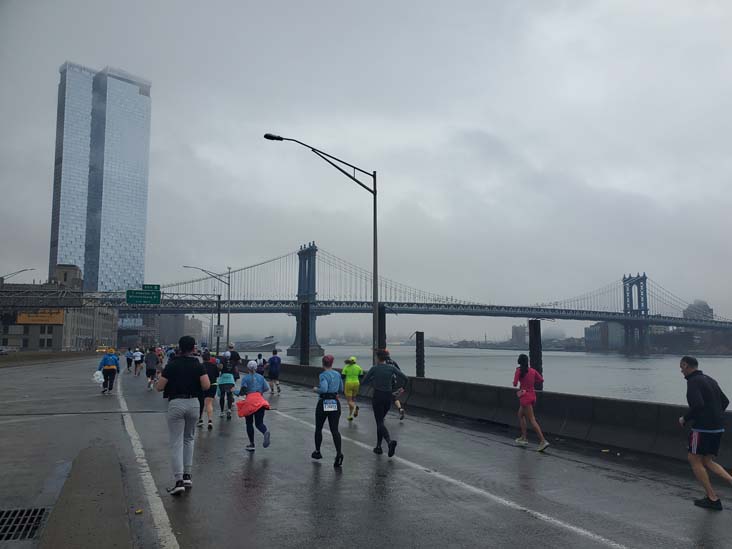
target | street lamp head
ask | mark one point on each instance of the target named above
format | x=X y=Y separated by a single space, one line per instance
x=273 y=137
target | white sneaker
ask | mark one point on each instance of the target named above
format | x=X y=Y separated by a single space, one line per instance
x=543 y=446
x=521 y=441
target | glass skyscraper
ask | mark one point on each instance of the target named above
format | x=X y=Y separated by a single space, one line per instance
x=101 y=176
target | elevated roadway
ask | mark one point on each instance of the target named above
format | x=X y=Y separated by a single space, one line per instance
x=453 y=483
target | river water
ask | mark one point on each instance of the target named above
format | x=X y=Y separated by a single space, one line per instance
x=652 y=379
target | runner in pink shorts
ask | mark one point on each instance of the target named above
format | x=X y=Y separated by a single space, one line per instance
x=527 y=397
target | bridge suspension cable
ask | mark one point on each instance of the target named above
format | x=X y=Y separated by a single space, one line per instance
x=342 y=280
x=274 y=278
x=339 y=280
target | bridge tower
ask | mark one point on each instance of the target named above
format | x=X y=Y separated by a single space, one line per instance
x=306 y=295
x=635 y=304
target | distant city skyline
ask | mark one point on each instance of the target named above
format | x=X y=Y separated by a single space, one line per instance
x=100 y=184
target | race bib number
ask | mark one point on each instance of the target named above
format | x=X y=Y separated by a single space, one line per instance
x=330 y=405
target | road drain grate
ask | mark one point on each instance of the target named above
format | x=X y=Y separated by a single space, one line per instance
x=18 y=524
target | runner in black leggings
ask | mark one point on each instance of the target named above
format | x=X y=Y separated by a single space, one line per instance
x=328 y=407
x=382 y=375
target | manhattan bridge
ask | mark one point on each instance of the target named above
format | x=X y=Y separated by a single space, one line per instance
x=328 y=284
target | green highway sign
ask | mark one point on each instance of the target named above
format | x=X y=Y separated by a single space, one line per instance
x=143 y=297
x=151 y=287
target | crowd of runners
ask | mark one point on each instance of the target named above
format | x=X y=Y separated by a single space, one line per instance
x=194 y=381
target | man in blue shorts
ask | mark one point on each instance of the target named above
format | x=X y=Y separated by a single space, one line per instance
x=707 y=404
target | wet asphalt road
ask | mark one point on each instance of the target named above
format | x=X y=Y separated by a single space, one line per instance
x=454 y=483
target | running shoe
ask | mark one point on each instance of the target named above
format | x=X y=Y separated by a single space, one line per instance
x=265 y=444
x=355 y=412
x=378 y=451
x=350 y=418
x=543 y=446
x=316 y=455
x=707 y=503
x=221 y=415
x=178 y=489
x=392 y=448
x=228 y=414
x=210 y=425
x=521 y=441
x=401 y=414
x=250 y=448
x=338 y=461
x=187 y=482
x=104 y=391
x=200 y=423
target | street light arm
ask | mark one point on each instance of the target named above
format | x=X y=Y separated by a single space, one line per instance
x=344 y=172
x=209 y=273
x=325 y=156
x=323 y=153
x=17 y=272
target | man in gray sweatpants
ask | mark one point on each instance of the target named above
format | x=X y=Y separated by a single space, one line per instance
x=183 y=380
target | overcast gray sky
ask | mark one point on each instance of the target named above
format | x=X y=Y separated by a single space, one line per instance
x=527 y=151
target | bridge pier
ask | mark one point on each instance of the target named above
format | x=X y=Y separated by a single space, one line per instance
x=637 y=339
x=315 y=348
x=306 y=295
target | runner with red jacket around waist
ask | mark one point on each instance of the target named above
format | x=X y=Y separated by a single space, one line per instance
x=527 y=397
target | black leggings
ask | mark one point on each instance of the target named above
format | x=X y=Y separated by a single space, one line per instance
x=226 y=393
x=381 y=404
x=257 y=418
x=109 y=375
x=333 y=418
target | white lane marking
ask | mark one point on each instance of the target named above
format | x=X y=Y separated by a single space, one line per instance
x=163 y=529
x=478 y=491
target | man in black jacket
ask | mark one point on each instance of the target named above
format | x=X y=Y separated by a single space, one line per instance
x=707 y=404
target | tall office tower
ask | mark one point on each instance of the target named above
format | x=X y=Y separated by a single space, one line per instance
x=71 y=167
x=100 y=213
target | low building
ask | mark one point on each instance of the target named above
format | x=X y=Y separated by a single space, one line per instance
x=519 y=335
x=173 y=327
x=70 y=329
x=605 y=336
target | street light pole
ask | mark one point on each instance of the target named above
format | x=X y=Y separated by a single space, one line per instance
x=218 y=322
x=218 y=300
x=375 y=291
x=330 y=159
x=228 y=308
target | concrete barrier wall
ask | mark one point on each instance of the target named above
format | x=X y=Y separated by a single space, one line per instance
x=641 y=426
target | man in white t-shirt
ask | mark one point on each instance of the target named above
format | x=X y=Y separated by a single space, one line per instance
x=138 y=357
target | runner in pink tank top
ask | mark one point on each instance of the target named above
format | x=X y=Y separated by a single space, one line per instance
x=528 y=377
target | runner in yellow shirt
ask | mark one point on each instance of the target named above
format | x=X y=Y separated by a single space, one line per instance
x=352 y=373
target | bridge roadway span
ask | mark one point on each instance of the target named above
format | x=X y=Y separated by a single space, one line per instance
x=173 y=305
x=453 y=483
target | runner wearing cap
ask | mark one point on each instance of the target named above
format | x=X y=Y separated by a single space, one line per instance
x=253 y=386
x=383 y=377
x=352 y=374
x=109 y=366
x=328 y=407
